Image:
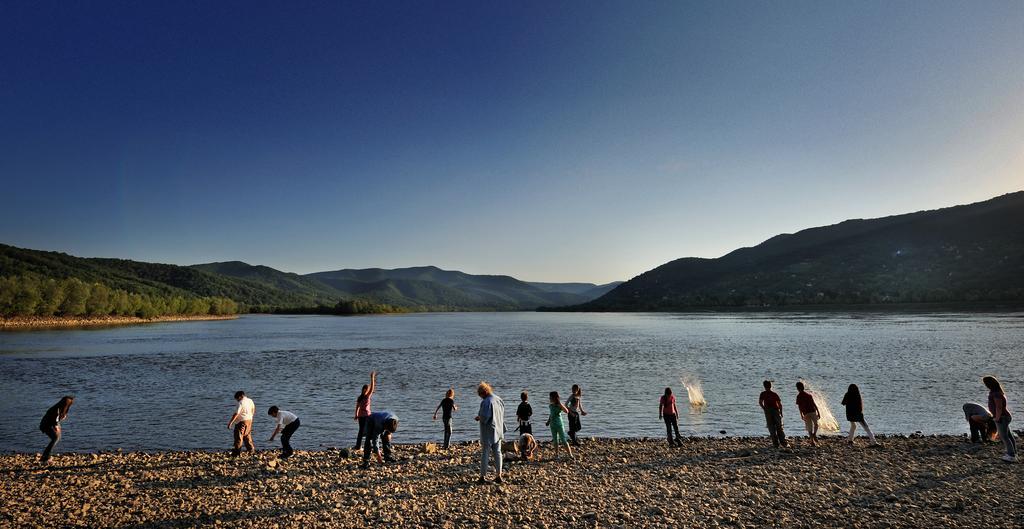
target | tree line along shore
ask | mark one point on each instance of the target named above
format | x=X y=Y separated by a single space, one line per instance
x=56 y=322
x=32 y=296
x=29 y=300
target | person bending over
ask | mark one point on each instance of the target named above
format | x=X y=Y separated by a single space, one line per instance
x=380 y=426
x=287 y=423
x=983 y=428
x=50 y=424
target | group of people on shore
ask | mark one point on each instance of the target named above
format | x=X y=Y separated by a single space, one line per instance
x=771 y=403
x=376 y=428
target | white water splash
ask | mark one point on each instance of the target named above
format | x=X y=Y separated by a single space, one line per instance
x=827 y=421
x=694 y=391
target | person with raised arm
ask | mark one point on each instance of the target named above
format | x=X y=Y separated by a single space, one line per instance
x=492 y=429
x=771 y=403
x=50 y=424
x=241 y=421
x=363 y=408
x=667 y=411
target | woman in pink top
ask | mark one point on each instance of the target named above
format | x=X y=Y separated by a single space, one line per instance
x=667 y=410
x=363 y=408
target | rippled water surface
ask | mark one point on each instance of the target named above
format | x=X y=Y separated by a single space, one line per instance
x=170 y=386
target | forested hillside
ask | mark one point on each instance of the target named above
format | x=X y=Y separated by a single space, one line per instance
x=40 y=283
x=963 y=254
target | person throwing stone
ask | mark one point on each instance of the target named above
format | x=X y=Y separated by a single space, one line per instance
x=241 y=421
x=492 y=429
x=808 y=412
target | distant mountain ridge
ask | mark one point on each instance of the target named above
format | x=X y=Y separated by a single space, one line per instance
x=442 y=289
x=263 y=288
x=968 y=253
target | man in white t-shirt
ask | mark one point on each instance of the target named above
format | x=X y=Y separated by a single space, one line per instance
x=242 y=423
x=287 y=423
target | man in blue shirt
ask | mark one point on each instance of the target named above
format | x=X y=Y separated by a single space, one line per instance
x=380 y=425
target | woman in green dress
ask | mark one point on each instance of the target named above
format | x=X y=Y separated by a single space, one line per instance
x=555 y=409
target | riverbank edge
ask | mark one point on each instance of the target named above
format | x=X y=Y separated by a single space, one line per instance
x=422 y=447
x=35 y=323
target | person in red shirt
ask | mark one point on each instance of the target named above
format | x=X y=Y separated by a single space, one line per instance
x=667 y=410
x=772 y=406
x=808 y=412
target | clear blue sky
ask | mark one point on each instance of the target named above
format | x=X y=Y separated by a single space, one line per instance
x=551 y=141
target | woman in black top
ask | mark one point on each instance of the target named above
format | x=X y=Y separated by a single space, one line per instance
x=447 y=406
x=50 y=425
x=855 y=413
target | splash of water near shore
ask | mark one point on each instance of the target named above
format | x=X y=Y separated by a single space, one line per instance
x=828 y=421
x=694 y=391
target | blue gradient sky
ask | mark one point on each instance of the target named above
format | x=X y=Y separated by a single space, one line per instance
x=577 y=141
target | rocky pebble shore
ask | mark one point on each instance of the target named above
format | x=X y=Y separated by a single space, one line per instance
x=940 y=481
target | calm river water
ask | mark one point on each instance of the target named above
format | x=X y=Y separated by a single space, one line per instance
x=170 y=386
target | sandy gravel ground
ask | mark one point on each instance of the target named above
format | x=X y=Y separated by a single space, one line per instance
x=730 y=482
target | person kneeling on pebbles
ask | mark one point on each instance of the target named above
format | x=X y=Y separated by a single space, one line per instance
x=241 y=421
x=379 y=425
x=526 y=446
x=287 y=423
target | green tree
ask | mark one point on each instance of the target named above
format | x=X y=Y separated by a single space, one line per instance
x=8 y=291
x=98 y=303
x=52 y=295
x=28 y=296
x=76 y=293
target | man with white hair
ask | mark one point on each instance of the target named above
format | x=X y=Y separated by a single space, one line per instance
x=492 y=429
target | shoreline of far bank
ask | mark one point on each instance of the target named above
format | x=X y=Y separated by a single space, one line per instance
x=50 y=322
x=915 y=481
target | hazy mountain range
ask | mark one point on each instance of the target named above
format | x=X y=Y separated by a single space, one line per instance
x=961 y=254
x=264 y=288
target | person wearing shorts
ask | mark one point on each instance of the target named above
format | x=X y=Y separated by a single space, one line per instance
x=808 y=412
